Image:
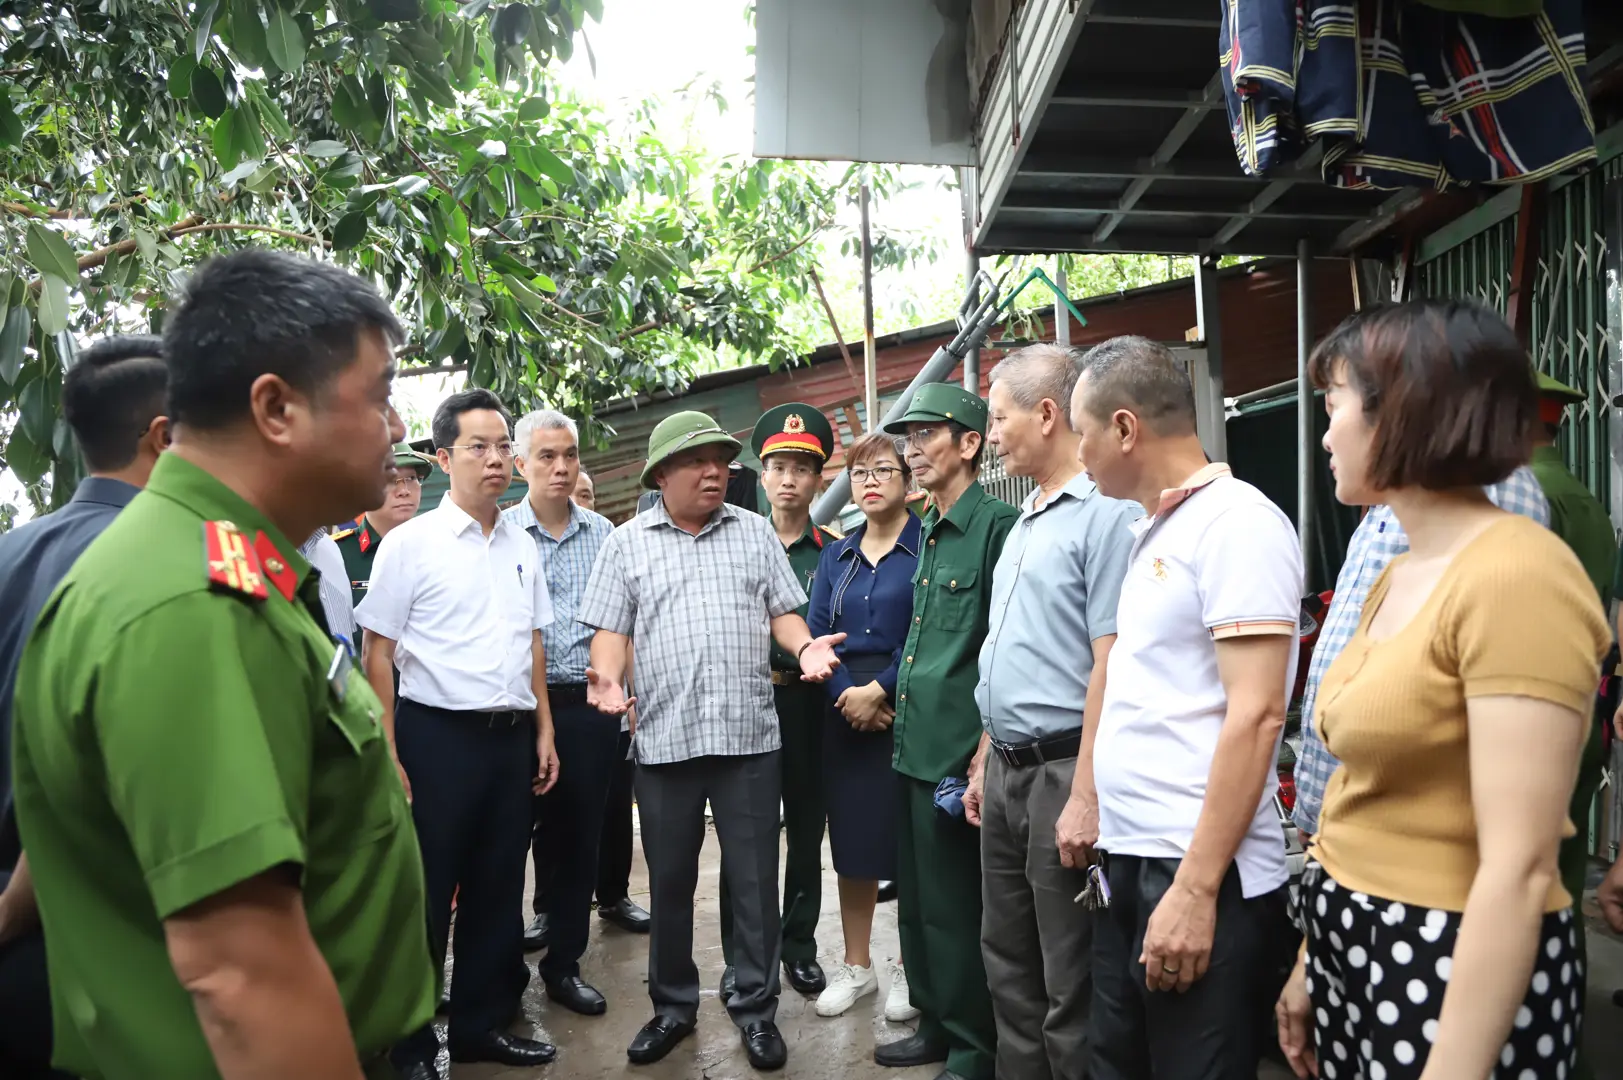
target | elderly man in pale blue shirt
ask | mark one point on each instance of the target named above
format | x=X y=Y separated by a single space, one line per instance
x=569 y=818
x=1053 y=617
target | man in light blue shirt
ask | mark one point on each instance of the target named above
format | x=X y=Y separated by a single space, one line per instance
x=1052 y=620
x=1376 y=542
x=569 y=818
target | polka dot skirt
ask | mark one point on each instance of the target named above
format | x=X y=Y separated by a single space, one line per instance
x=1376 y=972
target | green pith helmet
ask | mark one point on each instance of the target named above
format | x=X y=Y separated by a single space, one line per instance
x=407 y=458
x=793 y=427
x=683 y=431
x=942 y=401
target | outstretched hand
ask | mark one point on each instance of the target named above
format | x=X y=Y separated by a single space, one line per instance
x=818 y=660
x=606 y=696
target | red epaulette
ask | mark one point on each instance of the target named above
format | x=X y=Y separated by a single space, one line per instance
x=231 y=565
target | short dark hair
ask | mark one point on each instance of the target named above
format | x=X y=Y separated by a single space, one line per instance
x=1145 y=378
x=1446 y=387
x=872 y=445
x=260 y=312
x=448 y=417
x=111 y=395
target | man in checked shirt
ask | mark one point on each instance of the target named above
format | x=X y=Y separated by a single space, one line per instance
x=1376 y=542
x=701 y=586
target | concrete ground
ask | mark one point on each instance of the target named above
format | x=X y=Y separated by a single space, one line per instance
x=590 y=1048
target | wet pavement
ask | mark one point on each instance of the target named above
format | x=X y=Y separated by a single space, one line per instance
x=616 y=963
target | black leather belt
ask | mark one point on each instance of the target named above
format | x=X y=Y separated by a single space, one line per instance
x=1056 y=748
x=567 y=693
x=786 y=678
x=501 y=717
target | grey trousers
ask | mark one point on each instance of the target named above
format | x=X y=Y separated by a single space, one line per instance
x=1037 y=943
x=744 y=794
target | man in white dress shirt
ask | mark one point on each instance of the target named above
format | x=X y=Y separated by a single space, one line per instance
x=458 y=600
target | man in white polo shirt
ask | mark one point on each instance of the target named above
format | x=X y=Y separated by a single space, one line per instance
x=458 y=598
x=1194 y=708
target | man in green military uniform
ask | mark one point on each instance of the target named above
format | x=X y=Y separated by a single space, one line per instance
x=222 y=850
x=359 y=545
x=1577 y=517
x=937 y=729
x=793 y=442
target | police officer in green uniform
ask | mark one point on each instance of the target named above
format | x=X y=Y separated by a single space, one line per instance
x=1577 y=517
x=937 y=728
x=222 y=850
x=793 y=442
x=359 y=545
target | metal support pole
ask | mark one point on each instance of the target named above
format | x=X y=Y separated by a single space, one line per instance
x=870 y=359
x=1208 y=379
x=1306 y=459
x=972 y=358
x=1062 y=318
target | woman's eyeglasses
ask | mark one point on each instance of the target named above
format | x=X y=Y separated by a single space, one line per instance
x=881 y=473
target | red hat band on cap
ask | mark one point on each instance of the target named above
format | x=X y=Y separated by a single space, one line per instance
x=1550 y=410
x=802 y=441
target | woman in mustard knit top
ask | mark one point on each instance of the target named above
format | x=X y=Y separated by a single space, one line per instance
x=1440 y=941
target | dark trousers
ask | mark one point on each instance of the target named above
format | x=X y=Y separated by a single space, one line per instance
x=471 y=802
x=568 y=822
x=1037 y=942
x=805 y=814
x=614 y=847
x=25 y=1008
x=743 y=793
x=1210 y=1032
x=614 y=844
x=938 y=894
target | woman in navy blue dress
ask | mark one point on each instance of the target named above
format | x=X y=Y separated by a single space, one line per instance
x=864 y=589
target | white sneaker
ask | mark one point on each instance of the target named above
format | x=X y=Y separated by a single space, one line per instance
x=898 y=1006
x=848 y=984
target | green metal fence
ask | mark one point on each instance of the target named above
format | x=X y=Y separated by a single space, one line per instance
x=1571 y=339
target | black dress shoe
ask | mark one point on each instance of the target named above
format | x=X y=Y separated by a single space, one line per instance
x=913 y=1050
x=657 y=1038
x=419 y=1070
x=535 y=937
x=627 y=916
x=729 y=983
x=887 y=892
x=806 y=976
x=576 y=995
x=764 y=1045
x=504 y=1049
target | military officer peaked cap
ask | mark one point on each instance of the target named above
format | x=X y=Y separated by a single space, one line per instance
x=942 y=401
x=1553 y=398
x=795 y=427
x=683 y=431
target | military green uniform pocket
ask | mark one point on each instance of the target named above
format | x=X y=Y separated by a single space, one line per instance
x=952 y=602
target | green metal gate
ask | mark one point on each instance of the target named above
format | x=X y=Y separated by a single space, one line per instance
x=1572 y=334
